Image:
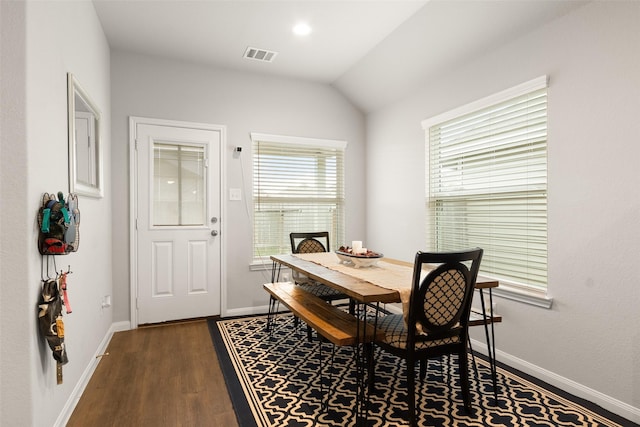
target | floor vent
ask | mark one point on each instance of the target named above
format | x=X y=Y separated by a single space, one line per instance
x=260 y=54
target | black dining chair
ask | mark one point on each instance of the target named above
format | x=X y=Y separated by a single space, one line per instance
x=313 y=242
x=438 y=320
x=306 y=243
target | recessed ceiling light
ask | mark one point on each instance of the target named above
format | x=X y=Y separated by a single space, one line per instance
x=302 y=29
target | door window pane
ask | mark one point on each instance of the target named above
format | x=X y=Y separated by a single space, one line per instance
x=179 y=185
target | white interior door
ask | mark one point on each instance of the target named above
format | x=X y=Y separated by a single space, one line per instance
x=178 y=201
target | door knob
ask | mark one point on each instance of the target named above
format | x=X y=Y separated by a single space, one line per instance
x=214 y=232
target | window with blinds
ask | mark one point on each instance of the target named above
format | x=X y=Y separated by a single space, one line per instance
x=487 y=183
x=298 y=186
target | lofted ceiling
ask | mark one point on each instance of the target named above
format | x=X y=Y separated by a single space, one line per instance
x=354 y=44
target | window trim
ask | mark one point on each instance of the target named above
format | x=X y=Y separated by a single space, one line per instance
x=296 y=140
x=505 y=95
x=532 y=296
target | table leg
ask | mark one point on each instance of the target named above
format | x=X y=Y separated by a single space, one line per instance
x=365 y=363
x=275 y=276
x=361 y=401
x=275 y=271
x=491 y=345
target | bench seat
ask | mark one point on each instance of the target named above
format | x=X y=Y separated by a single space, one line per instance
x=334 y=324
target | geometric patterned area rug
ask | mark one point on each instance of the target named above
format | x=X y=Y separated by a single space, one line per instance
x=275 y=380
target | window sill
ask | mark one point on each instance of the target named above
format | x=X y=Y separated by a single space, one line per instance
x=259 y=265
x=514 y=293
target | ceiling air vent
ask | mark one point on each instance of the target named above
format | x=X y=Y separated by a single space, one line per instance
x=260 y=54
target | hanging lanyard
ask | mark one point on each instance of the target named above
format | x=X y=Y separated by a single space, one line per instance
x=62 y=282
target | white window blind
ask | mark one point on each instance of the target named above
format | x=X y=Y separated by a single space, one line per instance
x=298 y=186
x=487 y=184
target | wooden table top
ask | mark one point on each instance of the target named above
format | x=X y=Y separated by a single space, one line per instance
x=481 y=281
x=357 y=289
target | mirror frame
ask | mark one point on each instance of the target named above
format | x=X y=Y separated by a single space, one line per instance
x=75 y=185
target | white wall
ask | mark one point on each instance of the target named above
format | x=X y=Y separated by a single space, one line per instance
x=53 y=38
x=151 y=87
x=15 y=325
x=592 y=56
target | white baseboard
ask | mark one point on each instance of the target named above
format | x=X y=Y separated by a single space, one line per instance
x=73 y=400
x=120 y=326
x=246 y=311
x=607 y=402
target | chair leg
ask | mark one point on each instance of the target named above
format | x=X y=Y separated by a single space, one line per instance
x=473 y=359
x=463 y=367
x=424 y=365
x=370 y=354
x=411 y=393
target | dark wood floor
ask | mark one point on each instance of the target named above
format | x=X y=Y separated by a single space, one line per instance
x=165 y=375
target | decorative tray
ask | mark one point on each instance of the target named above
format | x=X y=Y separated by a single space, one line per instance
x=366 y=259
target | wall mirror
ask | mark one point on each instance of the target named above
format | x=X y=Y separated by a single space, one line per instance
x=85 y=150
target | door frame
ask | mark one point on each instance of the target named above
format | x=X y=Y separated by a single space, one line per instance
x=133 y=206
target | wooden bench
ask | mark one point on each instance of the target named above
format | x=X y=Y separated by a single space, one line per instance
x=336 y=325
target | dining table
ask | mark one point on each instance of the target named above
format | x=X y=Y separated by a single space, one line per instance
x=385 y=281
